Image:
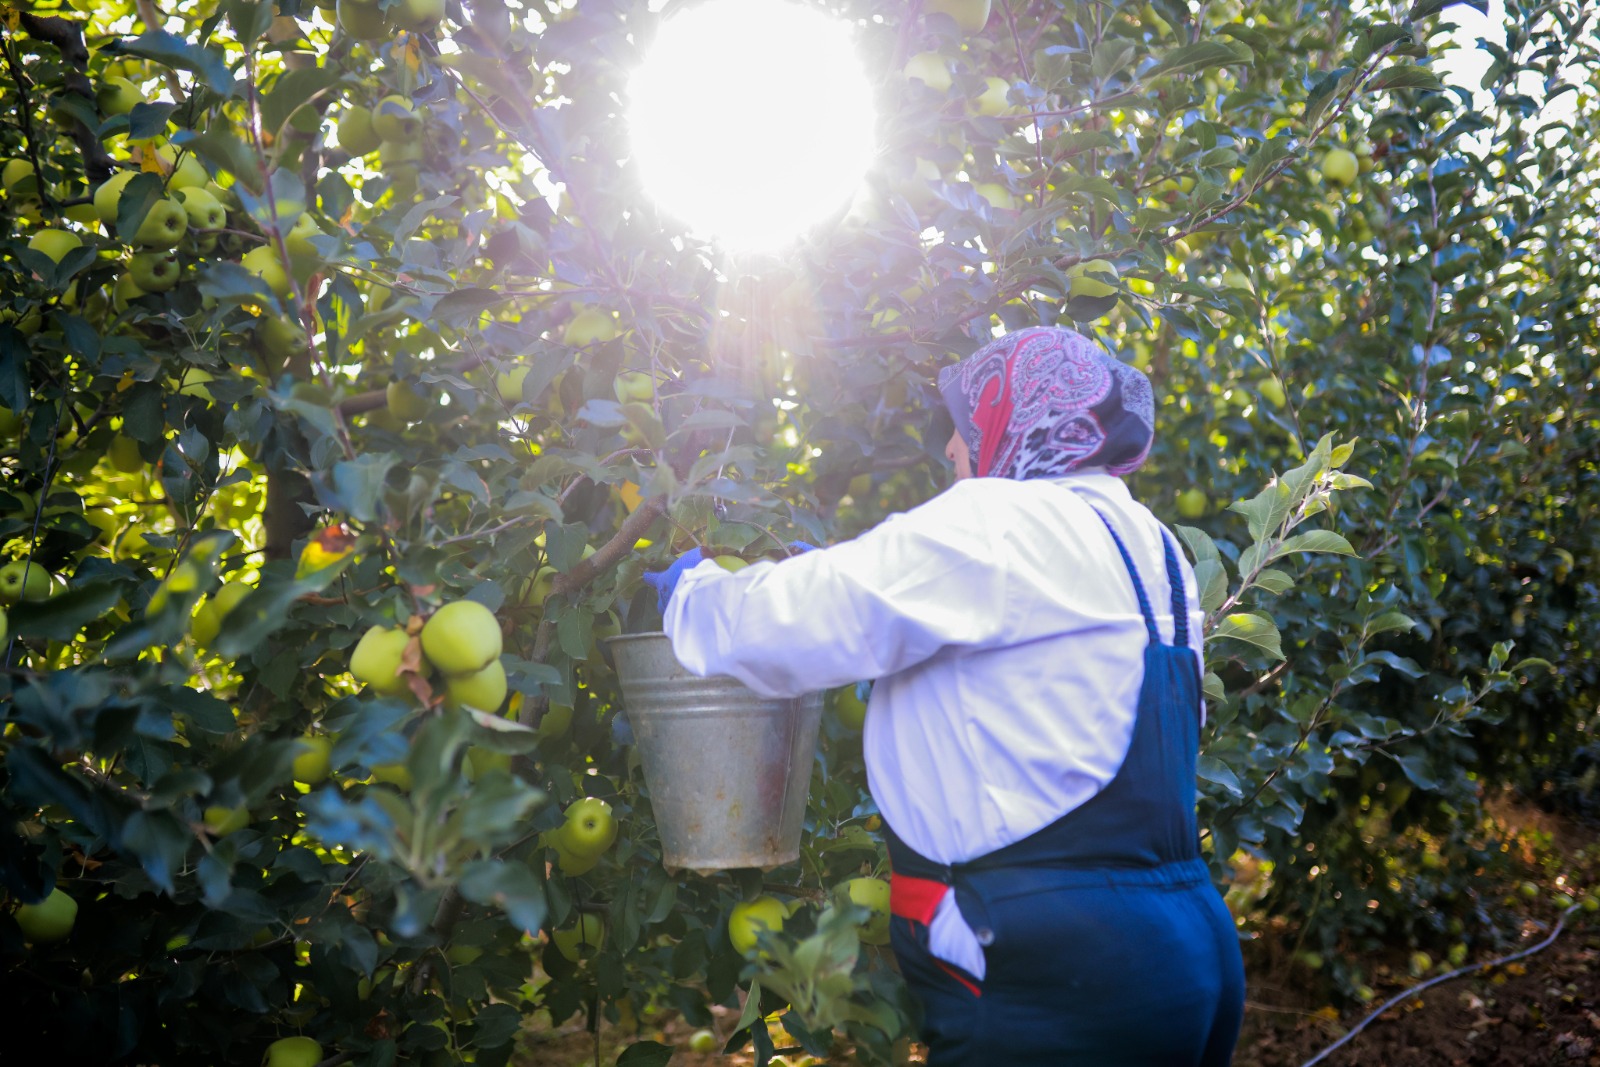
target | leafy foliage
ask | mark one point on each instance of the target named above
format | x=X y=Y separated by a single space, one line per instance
x=472 y=362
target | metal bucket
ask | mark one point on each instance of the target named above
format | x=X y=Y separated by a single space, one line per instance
x=728 y=770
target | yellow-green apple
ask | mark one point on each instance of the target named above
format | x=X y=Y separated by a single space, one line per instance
x=931 y=69
x=363 y=19
x=732 y=564
x=395 y=774
x=582 y=939
x=312 y=764
x=49 y=920
x=355 y=131
x=557 y=721
x=463 y=637
x=117 y=95
x=634 y=387
x=999 y=196
x=1340 y=166
x=484 y=690
x=154 y=271
x=749 y=917
x=1272 y=391
x=394 y=120
x=703 y=1042
x=992 y=101
x=186 y=173
x=1083 y=284
x=849 y=707
x=222 y=820
x=376 y=659
x=418 y=14
x=1192 y=503
x=872 y=893
x=25 y=581
x=405 y=401
x=970 y=15
x=125 y=290
x=587 y=327
x=17 y=177
x=568 y=861
x=55 y=243
x=293 y=1052
x=298 y=239
x=109 y=195
x=590 y=828
x=204 y=210
x=282 y=338
x=263 y=262
x=164 y=226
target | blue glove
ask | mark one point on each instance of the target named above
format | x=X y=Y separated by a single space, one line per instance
x=664 y=582
x=797 y=547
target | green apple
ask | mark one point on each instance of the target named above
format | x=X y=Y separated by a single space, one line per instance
x=463 y=637
x=10 y=422
x=117 y=95
x=24 y=580
x=394 y=120
x=703 y=1042
x=508 y=383
x=751 y=916
x=635 y=387
x=999 y=196
x=293 y=1051
x=1340 y=166
x=485 y=690
x=849 y=707
x=282 y=338
x=567 y=861
x=418 y=14
x=589 y=326
x=395 y=157
x=557 y=721
x=376 y=659
x=931 y=69
x=222 y=821
x=312 y=764
x=205 y=624
x=363 y=19
x=154 y=272
x=970 y=15
x=204 y=210
x=590 y=828
x=185 y=173
x=731 y=564
x=1083 y=282
x=872 y=893
x=480 y=761
x=355 y=131
x=18 y=179
x=298 y=239
x=55 y=243
x=264 y=263
x=1235 y=279
x=406 y=402
x=1272 y=392
x=1192 y=503
x=124 y=291
x=124 y=454
x=164 y=226
x=49 y=920
x=992 y=101
x=582 y=939
x=109 y=195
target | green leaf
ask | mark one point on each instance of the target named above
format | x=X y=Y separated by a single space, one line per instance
x=249 y=19
x=1315 y=541
x=138 y=197
x=1252 y=628
x=1265 y=158
x=509 y=886
x=224 y=152
x=1389 y=620
x=172 y=51
x=1193 y=57
x=1265 y=512
x=359 y=483
x=1212 y=581
x=1112 y=56
x=645 y=1054
x=62 y=616
x=1199 y=543
x=1274 y=581
x=1407 y=76
x=294 y=90
x=466 y=306
x=1210 y=769
x=1211 y=685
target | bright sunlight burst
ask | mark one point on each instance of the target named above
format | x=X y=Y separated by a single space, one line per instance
x=752 y=120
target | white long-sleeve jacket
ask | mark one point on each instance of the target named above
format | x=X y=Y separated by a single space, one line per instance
x=1004 y=638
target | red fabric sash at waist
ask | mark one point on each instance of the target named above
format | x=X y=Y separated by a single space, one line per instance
x=916 y=899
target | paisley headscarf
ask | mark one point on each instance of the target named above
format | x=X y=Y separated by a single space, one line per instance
x=1042 y=402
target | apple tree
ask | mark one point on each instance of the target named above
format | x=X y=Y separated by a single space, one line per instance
x=350 y=380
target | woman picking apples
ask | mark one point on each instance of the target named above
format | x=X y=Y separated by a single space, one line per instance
x=1032 y=735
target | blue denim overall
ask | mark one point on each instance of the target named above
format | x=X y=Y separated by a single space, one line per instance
x=1105 y=943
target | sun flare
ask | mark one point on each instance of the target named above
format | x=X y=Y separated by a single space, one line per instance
x=752 y=120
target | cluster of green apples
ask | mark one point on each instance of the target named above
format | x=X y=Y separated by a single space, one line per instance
x=391 y=127
x=462 y=641
x=748 y=918
x=587 y=832
x=369 y=20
